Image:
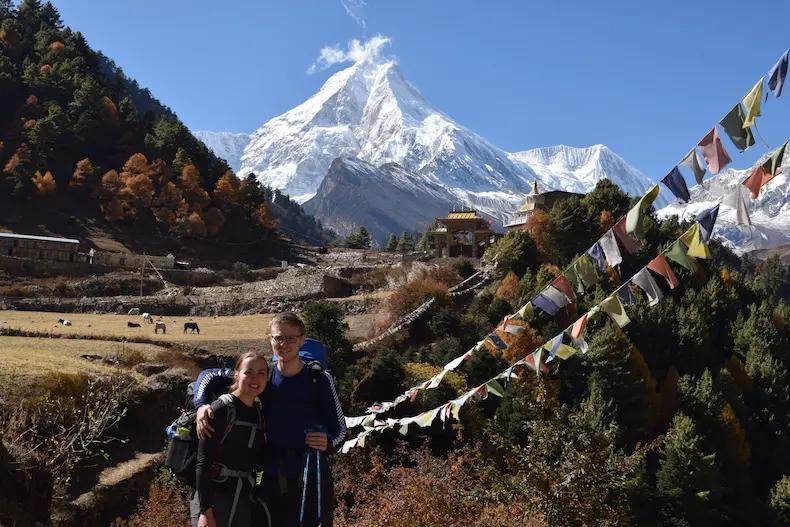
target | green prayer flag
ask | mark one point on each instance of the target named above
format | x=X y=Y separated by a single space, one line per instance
x=691 y=160
x=678 y=253
x=525 y=312
x=615 y=310
x=494 y=388
x=585 y=270
x=774 y=161
x=732 y=123
x=752 y=103
x=573 y=278
x=633 y=220
x=565 y=352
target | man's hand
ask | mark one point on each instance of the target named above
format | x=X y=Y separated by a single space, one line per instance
x=316 y=440
x=207 y=519
x=204 y=416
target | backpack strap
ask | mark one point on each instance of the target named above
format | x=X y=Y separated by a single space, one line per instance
x=227 y=401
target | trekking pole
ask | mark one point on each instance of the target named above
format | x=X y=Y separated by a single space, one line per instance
x=305 y=474
x=318 y=479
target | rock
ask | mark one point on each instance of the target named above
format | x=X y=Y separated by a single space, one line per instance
x=150 y=368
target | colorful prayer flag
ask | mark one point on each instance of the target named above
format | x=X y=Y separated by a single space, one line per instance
x=634 y=218
x=564 y=285
x=610 y=249
x=756 y=180
x=660 y=265
x=778 y=73
x=545 y=304
x=732 y=123
x=597 y=254
x=525 y=312
x=752 y=102
x=631 y=243
x=691 y=160
x=675 y=182
x=772 y=165
x=646 y=283
x=706 y=220
x=678 y=253
x=556 y=296
x=626 y=296
x=713 y=152
x=697 y=247
x=735 y=200
x=615 y=310
x=579 y=326
x=585 y=270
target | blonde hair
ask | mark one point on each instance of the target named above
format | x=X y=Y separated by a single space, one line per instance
x=288 y=319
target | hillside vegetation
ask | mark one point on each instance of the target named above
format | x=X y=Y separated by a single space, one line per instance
x=679 y=418
x=79 y=138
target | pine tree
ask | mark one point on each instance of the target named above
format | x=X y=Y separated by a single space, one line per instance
x=688 y=481
x=392 y=243
x=405 y=243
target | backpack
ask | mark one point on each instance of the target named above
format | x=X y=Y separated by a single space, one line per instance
x=182 y=443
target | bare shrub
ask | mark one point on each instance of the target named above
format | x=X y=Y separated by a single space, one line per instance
x=409 y=296
x=67 y=424
x=17 y=291
x=164 y=506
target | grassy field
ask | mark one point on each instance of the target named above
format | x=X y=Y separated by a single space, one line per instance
x=29 y=362
x=246 y=329
x=243 y=327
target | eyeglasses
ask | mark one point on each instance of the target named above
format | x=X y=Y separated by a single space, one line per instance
x=282 y=339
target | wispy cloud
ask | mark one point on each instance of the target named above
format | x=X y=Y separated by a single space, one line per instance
x=354 y=9
x=355 y=51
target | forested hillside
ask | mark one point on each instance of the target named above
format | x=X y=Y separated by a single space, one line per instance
x=679 y=417
x=77 y=134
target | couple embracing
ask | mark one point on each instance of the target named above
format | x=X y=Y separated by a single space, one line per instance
x=285 y=419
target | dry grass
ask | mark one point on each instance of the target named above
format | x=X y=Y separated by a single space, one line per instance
x=29 y=362
x=242 y=327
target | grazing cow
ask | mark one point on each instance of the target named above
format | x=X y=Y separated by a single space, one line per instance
x=64 y=322
x=135 y=311
x=132 y=325
x=192 y=326
x=148 y=318
x=160 y=325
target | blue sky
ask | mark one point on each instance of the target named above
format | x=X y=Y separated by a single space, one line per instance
x=648 y=79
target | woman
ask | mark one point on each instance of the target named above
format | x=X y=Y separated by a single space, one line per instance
x=226 y=461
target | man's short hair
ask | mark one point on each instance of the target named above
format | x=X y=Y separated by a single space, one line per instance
x=288 y=319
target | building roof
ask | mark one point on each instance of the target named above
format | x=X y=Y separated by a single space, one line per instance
x=463 y=215
x=39 y=238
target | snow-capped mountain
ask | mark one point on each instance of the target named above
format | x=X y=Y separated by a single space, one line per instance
x=226 y=145
x=580 y=169
x=370 y=112
x=769 y=213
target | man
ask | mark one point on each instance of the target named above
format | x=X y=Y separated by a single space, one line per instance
x=304 y=423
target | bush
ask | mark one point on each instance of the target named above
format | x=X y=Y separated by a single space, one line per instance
x=465 y=268
x=410 y=296
x=164 y=506
x=515 y=251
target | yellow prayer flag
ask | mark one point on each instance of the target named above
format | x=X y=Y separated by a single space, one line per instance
x=752 y=103
x=615 y=310
x=697 y=247
x=633 y=220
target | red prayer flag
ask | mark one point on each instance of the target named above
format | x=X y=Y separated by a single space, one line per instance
x=713 y=151
x=660 y=265
x=578 y=327
x=757 y=180
x=564 y=286
x=631 y=243
x=529 y=360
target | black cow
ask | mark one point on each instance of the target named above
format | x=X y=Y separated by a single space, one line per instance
x=191 y=326
x=132 y=325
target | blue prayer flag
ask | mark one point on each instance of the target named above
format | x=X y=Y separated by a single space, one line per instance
x=706 y=220
x=597 y=254
x=675 y=182
x=543 y=302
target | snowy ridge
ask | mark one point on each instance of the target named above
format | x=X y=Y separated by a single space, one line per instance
x=769 y=213
x=226 y=145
